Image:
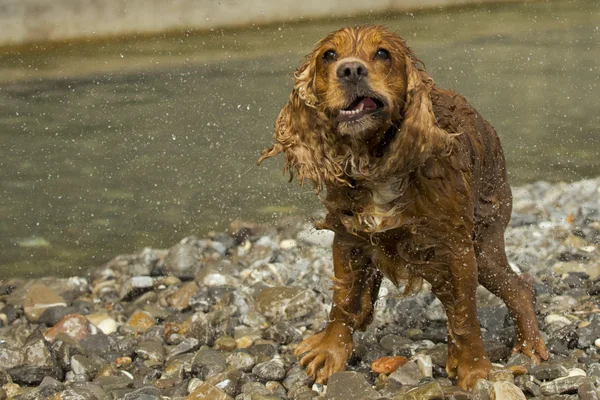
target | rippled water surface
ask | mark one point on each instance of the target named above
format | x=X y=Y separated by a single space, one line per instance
x=112 y=146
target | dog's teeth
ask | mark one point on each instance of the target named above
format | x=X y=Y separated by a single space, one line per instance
x=361 y=107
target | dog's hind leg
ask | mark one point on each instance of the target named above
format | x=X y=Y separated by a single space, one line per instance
x=496 y=276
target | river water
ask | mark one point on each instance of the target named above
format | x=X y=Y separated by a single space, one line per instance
x=108 y=147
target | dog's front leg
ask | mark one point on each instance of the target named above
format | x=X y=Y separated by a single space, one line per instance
x=356 y=285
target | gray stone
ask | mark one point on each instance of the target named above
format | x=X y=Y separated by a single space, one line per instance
x=272 y=370
x=135 y=287
x=114 y=382
x=207 y=363
x=568 y=384
x=187 y=345
x=587 y=391
x=432 y=390
x=151 y=350
x=483 y=389
x=407 y=375
x=285 y=303
x=398 y=345
x=82 y=365
x=38 y=362
x=183 y=259
x=51 y=316
x=241 y=361
x=506 y=391
x=296 y=377
x=350 y=385
x=548 y=372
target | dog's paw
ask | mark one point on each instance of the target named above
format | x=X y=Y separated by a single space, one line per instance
x=534 y=348
x=471 y=369
x=326 y=352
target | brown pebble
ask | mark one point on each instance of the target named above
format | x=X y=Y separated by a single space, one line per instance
x=75 y=326
x=139 y=322
x=518 y=370
x=387 y=365
x=226 y=343
x=121 y=361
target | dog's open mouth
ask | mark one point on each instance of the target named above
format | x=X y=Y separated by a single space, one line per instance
x=359 y=108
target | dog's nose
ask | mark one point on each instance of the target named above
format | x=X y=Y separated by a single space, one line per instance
x=352 y=71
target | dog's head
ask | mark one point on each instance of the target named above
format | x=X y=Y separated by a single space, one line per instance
x=347 y=93
x=357 y=77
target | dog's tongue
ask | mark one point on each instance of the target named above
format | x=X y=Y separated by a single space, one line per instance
x=366 y=104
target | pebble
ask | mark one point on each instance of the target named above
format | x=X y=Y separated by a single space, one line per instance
x=75 y=326
x=180 y=300
x=347 y=385
x=387 y=365
x=272 y=370
x=409 y=374
x=506 y=391
x=139 y=322
x=38 y=299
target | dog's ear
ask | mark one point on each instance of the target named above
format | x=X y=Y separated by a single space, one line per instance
x=300 y=131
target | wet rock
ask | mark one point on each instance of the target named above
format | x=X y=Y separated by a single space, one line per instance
x=139 y=322
x=38 y=299
x=135 y=287
x=272 y=370
x=116 y=382
x=483 y=389
x=568 y=384
x=506 y=391
x=98 y=344
x=396 y=344
x=285 y=303
x=407 y=375
x=587 y=391
x=186 y=346
x=104 y=322
x=296 y=377
x=152 y=351
x=225 y=343
x=501 y=375
x=81 y=365
x=321 y=238
x=144 y=393
x=75 y=326
x=180 y=300
x=588 y=334
x=241 y=361
x=206 y=391
x=38 y=362
x=183 y=259
x=350 y=385
x=387 y=365
x=283 y=333
x=49 y=386
x=549 y=372
x=429 y=391
x=208 y=362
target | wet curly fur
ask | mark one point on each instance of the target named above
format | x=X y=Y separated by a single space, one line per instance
x=415 y=189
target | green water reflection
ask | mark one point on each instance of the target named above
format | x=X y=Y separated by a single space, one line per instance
x=110 y=147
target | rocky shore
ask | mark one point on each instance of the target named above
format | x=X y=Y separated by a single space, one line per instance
x=218 y=318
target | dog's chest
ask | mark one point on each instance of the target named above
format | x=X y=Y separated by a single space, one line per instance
x=374 y=207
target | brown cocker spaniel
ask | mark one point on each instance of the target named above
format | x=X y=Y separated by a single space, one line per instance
x=416 y=188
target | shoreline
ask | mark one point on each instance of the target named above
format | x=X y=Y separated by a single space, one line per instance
x=32 y=23
x=218 y=317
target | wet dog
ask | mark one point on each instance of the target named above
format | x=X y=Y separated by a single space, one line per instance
x=416 y=189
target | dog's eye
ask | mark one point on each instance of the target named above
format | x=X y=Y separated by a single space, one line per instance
x=329 y=56
x=382 y=54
